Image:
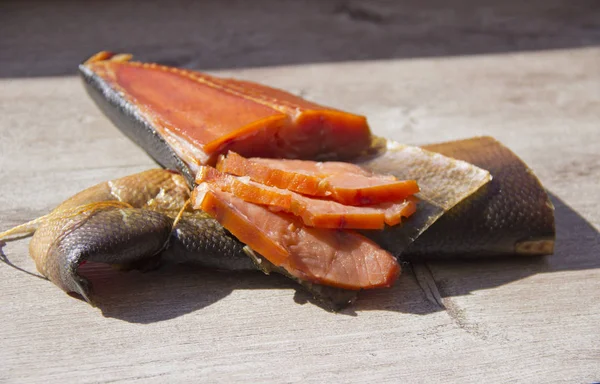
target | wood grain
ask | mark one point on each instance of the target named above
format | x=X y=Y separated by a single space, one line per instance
x=508 y=320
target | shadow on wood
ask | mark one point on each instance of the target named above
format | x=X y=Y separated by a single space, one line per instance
x=174 y=291
x=577 y=248
x=170 y=292
x=49 y=38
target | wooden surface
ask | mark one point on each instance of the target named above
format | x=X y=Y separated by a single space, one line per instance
x=42 y=38
x=509 y=320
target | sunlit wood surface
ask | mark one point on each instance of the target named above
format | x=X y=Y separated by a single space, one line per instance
x=509 y=320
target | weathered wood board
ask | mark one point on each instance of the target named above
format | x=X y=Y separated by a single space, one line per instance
x=521 y=320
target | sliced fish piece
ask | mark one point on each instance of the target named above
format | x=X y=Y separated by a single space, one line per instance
x=319 y=213
x=345 y=183
x=342 y=259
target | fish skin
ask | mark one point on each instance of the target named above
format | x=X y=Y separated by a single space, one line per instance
x=199 y=239
x=443 y=183
x=154 y=189
x=511 y=215
x=117 y=204
x=128 y=119
x=130 y=238
x=131 y=222
x=111 y=235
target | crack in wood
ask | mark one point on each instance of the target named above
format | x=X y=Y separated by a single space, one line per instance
x=433 y=293
x=427 y=283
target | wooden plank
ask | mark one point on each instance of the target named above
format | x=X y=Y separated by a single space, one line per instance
x=506 y=320
x=43 y=38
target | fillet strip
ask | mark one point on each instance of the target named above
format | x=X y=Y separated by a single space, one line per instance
x=336 y=258
x=345 y=183
x=313 y=212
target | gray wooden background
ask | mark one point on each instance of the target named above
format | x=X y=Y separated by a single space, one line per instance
x=527 y=73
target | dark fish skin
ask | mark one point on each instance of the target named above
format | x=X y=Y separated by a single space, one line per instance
x=133 y=222
x=129 y=120
x=199 y=239
x=511 y=215
x=134 y=238
x=112 y=235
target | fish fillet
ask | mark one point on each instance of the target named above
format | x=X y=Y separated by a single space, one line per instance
x=313 y=212
x=201 y=116
x=345 y=183
x=337 y=258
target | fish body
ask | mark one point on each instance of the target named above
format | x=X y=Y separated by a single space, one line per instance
x=499 y=219
x=475 y=198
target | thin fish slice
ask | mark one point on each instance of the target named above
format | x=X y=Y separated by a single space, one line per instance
x=330 y=214
x=345 y=183
x=342 y=259
x=313 y=212
x=246 y=189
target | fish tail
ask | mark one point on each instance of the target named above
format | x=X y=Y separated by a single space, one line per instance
x=22 y=230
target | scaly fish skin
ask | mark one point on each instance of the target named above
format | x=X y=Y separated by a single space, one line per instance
x=199 y=239
x=100 y=233
x=129 y=222
x=511 y=215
